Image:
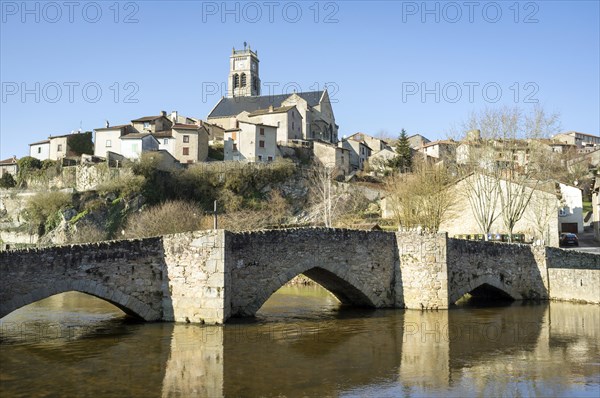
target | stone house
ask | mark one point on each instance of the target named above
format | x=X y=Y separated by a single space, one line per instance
x=287 y=119
x=581 y=140
x=188 y=143
x=570 y=213
x=440 y=150
x=9 y=166
x=328 y=154
x=215 y=133
x=61 y=146
x=40 y=150
x=378 y=160
x=134 y=144
x=359 y=150
x=416 y=141
x=251 y=142
x=152 y=124
x=108 y=139
x=542 y=218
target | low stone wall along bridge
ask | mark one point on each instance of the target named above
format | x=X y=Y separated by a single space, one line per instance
x=210 y=276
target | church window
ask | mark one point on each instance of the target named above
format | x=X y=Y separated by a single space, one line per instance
x=236 y=80
x=243 y=80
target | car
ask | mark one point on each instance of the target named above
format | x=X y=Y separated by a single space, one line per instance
x=568 y=239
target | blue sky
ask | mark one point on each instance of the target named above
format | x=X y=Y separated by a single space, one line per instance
x=422 y=66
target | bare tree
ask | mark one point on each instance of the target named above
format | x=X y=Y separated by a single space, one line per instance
x=544 y=207
x=422 y=198
x=483 y=195
x=323 y=192
x=505 y=161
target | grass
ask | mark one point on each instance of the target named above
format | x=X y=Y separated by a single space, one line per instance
x=587 y=206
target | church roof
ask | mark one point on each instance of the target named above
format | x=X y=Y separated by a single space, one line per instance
x=233 y=106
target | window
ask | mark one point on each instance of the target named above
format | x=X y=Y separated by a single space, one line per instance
x=108 y=143
x=262 y=131
x=236 y=80
x=39 y=149
x=146 y=125
x=235 y=147
x=59 y=149
x=260 y=158
x=186 y=151
x=243 y=80
x=186 y=138
x=166 y=141
x=261 y=144
x=562 y=212
x=270 y=158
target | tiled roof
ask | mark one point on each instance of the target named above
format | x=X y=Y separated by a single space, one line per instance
x=179 y=126
x=9 y=161
x=113 y=127
x=267 y=111
x=40 y=142
x=233 y=106
x=147 y=118
x=163 y=134
x=134 y=136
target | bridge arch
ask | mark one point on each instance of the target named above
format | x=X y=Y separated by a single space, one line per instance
x=481 y=281
x=345 y=288
x=126 y=303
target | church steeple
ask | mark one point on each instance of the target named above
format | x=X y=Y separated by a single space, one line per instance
x=243 y=73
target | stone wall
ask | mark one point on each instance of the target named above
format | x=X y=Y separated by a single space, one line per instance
x=196 y=282
x=574 y=276
x=422 y=282
x=356 y=266
x=512 y=268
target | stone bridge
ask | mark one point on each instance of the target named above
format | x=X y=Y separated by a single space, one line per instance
x=209 y=276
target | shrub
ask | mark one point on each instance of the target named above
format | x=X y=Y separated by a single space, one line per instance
x=125 y=185
x=43 y=209
x=88 y=234
x=7 y=181
x=167 y=218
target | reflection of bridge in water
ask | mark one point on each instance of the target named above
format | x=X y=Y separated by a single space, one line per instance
x=461 y=352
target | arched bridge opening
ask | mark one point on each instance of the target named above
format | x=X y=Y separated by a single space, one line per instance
x=345 y=290
x=486 y=294
x=126 y=303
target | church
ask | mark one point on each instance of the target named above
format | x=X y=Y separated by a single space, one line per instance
x=304 y=116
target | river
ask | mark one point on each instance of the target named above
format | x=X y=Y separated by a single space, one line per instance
x=302 y=343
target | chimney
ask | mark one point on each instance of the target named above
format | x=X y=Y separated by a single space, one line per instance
x=163 y=113
x=107 y=124
x=174 y=116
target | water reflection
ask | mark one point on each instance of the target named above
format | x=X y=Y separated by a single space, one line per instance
x=302 y=344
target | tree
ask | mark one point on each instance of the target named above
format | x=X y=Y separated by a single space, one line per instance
x=422 y=198
x=403 y=160
x=323 y=192
x=503 y=163
x=544 y=206
x=7 y=181
x=26 y=165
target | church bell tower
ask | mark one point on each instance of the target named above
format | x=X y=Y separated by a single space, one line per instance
x=243 y=73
